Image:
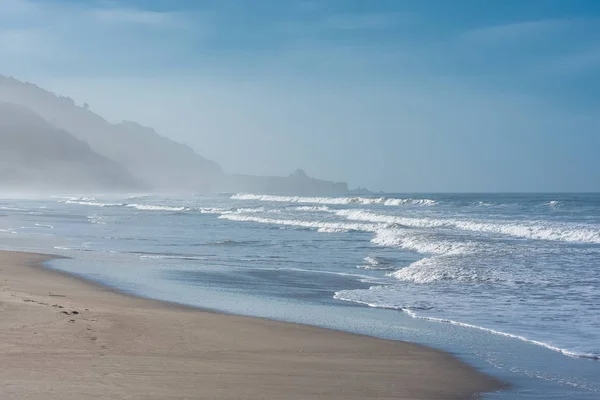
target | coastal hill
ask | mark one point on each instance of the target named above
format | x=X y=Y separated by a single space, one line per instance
x=154 y=160
x=145 y=158
x=34 y=155
x=296 y=183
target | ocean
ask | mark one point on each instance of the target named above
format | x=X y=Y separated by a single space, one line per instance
x=507 y=282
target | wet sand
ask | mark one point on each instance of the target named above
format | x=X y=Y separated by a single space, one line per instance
x=65 y=338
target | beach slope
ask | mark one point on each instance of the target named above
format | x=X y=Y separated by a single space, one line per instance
x=65 y=338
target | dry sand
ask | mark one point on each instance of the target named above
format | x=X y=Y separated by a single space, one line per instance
x=64 y=338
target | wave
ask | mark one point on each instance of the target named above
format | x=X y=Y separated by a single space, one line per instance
x=313 y=208
x=145 y=207
x=320 y=226
x=336 y=200
x=482 y=204
x=214 y=210
x=76 y=198
x=553 y=204
x=6 y=208
x=438 y=269
x=141 y=207
x=92 y=203
x=361 y=278
x=538 y=230
x=373 y=263
x=419 y=244
x=347 y=295
x=229 y=242
x=44 y=226
x=96 y=219
x=441 y=266
x=170 y=257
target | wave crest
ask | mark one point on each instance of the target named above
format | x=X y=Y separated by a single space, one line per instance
x=538 y=230
x=385 y=201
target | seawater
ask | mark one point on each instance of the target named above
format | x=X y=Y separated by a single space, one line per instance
x=507 y=282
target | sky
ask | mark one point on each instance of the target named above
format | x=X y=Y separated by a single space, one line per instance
x=392 y=95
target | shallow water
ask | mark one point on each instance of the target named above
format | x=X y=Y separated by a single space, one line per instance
x=509 y=283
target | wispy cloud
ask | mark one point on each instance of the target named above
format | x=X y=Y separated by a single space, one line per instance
x=58 y=35
x=518 y=31
x=13 y=7
x=587 y=60
x=136 y=16
x=22 y=42
x=366 y=21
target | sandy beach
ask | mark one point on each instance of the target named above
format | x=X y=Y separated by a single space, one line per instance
x=65 y=338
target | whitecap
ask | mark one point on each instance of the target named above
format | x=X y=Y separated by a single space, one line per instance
x=336 y=200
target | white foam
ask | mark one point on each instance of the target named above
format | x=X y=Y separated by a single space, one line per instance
x=371 y=260
x=44 y=226
x=76 y=198
x=420 y=244
x=313 y=208
x=6 y=208
x=92 y=203
x=214 y=210
x=539 y=230
x=168 y=257
x=254 y=210
x=553 y=204
x=347 y=295
x=436 y=269
x=321 y=226
x=144 y=207
x=335 y=200
x=373 y=263
x=96 y=219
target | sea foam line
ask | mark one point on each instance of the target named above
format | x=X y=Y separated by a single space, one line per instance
x=340 y=296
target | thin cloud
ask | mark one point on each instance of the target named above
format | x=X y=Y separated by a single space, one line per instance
x=136 y=16
x=586 y=60
x=370 y=21
x=20 y=41
x=511 y=33
x=16 y=7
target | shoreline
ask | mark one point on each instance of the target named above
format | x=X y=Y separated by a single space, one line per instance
x=65 y=337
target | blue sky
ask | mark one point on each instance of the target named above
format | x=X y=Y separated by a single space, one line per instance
x=394 y=95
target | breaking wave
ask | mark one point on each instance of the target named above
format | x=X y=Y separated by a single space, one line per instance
x=92 y=203
x=143 y=207
x=313 y=208
x=336 y=200
x=374 y=263
x=421 y=244
x=538 y=230
x=321 y=226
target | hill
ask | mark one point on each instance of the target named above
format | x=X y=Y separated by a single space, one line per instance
x=159 y=162
x=34 y=155
x=141 y=156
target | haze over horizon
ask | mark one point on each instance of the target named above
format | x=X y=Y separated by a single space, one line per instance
x=396 y=95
